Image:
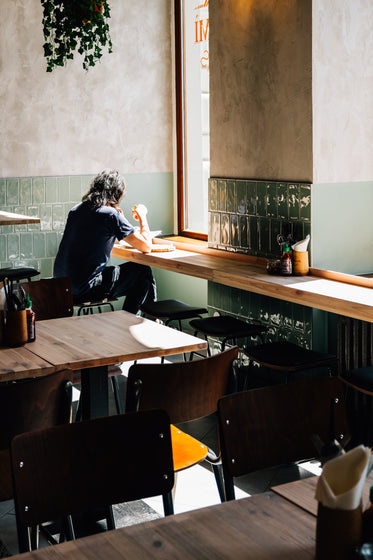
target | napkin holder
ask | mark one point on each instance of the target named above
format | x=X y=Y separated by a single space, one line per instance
x=338 y=532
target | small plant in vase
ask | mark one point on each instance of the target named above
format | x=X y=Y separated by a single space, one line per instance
x=71 y=26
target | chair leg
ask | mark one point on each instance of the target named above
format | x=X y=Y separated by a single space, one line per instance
x=118 y=400
x=110 y=519
x=168 y=505
x=219 y=479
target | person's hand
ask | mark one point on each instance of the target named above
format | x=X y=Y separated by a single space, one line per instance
x=139 y=212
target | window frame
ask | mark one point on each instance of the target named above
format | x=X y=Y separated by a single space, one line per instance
x=180 y=191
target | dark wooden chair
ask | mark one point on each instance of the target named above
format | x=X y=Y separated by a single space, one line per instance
x=90 y=464
x=28 y=405
x=52 y=298
x=186 y=390
x=280 y=425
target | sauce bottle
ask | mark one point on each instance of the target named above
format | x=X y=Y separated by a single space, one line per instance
x=286 y=262
x=30 y=314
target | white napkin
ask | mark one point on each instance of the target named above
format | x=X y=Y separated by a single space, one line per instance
x=301 y=246
x=341 y=483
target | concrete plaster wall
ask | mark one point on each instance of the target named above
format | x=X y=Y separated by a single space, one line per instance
x=70 y=122
x=342 y=90
x=260 y=89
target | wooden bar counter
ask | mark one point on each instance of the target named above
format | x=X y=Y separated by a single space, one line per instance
x=323 y=290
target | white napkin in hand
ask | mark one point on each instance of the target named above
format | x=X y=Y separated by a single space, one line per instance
x=341 y=483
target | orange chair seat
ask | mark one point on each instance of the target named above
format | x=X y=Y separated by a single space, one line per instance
x=186 y=450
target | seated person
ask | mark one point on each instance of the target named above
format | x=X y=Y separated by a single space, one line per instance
x=91 y=230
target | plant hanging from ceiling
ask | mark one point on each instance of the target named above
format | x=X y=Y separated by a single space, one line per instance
x=72 y=26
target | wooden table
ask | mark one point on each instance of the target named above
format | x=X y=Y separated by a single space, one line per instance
x=317 y=290
x=91 y=343
x=10 y=218
x=262 y=527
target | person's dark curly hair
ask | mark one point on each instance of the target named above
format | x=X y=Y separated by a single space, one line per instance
x=106 y=189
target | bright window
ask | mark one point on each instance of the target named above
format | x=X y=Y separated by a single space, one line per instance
x=193 y=115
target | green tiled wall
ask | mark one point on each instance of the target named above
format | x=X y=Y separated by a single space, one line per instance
x=49 y=198
x=285 y=320
x=247 y=216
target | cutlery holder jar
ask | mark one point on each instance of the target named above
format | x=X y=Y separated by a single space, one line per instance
x=15 y=328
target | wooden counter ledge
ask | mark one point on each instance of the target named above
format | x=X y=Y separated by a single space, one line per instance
x=249 y=273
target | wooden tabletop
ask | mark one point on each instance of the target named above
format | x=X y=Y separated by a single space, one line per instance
x=10 y=218
x=302 y=493
x=262 y=527
x=249 y=273
x=107 y=338
x=19 y=363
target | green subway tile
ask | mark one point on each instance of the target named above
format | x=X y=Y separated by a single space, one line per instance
x=271 y=200
x=46 y=217
x=254 y=235
x=251 y=197
x=298 y=232
x=25 y=190
x=293 y=198
x=52 y=243
x=46 y=268
x=275 y=230
x=33 y=211
x=51 y=190
x=20 y=210
x=38 y=190
x=3 y=246
x=63 y=185
x=214 y=227
x=39 y=245
x=224 y=229
x=235 y=303
x=12 y=191
x=305 y=202
x=243 y=231
x=231 y=196
x=282 y=201
x=222 y=195
x=241 y=197
x=26 y=245
x=75 y=189
x=2 y=192
x=261 y=189
x=264 y=234
x=235 y=239
x=213 y=194
x=13 y=246
x=58 y=216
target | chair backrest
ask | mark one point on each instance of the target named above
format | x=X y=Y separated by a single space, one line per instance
x=278 y=425
x=51 y=297
x=186 y=390
x=30 y=404
x=89 y=464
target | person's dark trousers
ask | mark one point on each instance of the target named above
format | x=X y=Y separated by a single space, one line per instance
x=135 y=281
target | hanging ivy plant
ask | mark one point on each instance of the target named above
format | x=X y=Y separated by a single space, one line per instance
x=72 y=26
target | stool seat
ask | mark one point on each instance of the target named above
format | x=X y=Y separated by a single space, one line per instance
x=286 y=356
x=228 y=328
x=360 y=378
x=171 y=309
x=17 y=274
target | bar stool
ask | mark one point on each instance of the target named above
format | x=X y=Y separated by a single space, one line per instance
x=290 y=358
x=18 y=274
x=169 y=310
x=87 y=307
x=227 y=328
